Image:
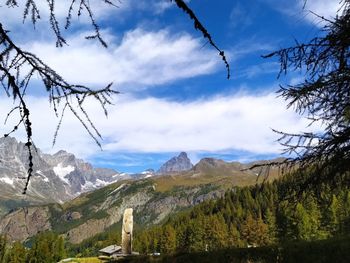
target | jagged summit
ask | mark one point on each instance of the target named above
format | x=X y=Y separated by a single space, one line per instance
x=62 y=153
x=56 y=178
x=176 y=164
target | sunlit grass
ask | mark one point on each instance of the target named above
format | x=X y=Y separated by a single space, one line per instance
x=166 y=183
x=85 y=260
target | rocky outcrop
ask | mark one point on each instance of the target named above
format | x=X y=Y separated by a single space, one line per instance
x=88 y=229
x=114 y=205
x=159 y=208
x=25 y=223
x=176 y=164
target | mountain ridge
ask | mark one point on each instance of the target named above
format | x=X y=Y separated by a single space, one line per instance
x=153 y=196
x=56 y=178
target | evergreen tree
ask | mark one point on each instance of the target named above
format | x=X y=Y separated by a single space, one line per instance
x=193 y=238
x=168 y=240
x=3 y=245
x=270 y=220
x=323 y=97
x=216 y=232
x=142 y=242
x=307 y=222
x=345 y=213
x=47 y=248
x=333 y=216
x=17 y=254
x=248 y=230
x=235 y=221
x=59 y=251
x=234 y=237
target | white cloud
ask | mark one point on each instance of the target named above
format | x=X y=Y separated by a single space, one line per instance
x=325 y=8
x=141 y=59
x=240 y=17
x=258 y=69
x=155 y=125
x=304 y=8
x=156 y=6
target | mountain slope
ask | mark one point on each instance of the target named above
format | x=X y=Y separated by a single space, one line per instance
x=56 y=178
x=153 y=200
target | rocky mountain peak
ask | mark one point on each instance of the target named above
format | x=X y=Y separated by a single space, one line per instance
x=62 y=153
x=56 y=178
x=176 y=164
x=212 y=162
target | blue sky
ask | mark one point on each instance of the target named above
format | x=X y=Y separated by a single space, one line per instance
x=174 y=92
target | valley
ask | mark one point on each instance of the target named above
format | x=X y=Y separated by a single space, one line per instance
x=70 y=197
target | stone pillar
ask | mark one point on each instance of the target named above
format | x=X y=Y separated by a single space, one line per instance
x=127 y=231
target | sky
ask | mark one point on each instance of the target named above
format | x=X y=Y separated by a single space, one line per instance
x=174 y=94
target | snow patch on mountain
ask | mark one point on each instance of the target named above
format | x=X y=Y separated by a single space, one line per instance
x=117 y=189
x=7 y=180
x=62 y=171
x=43 y=176
x=100 y=183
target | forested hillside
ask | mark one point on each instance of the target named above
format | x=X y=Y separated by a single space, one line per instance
x=269 y=220
x=253 y=216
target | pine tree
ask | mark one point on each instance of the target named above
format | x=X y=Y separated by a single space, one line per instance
x=3 y=245
x=216 y=232
x=248 y=231
x=17 y=253
x=270 y=220
x=323 y=97
x=193 y=237
x=142 y=242
x=315 y=218
x=168 y=240
x=333 y=216
x=233 y=239
x=307 y=222
x=345 y=213
x=59 y=251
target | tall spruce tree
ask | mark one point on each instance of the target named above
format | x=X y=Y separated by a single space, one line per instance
x=324 y=97
x=168 y=240
x=3 y=246
x=17 y=253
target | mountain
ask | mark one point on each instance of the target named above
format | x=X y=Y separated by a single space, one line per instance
x=71 y=197
x=95 y=212
x=153 y=199
x=176 y=164
x=56 y=178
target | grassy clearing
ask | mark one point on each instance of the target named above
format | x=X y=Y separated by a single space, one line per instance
x=85 y=260
x=166 y=183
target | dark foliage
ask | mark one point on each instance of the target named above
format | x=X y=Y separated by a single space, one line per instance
x=324 y=251
x=323 y=97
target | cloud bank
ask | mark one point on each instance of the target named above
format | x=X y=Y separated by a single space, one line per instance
x=141 y=59
x=223 y=123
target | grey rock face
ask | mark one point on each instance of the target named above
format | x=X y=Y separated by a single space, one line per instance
x=56 y=178
x=25 y=223
x=176 y=164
